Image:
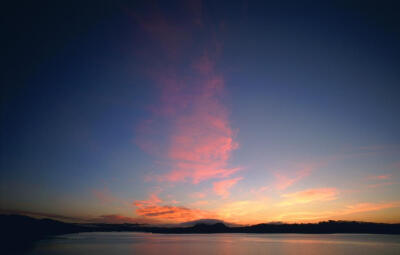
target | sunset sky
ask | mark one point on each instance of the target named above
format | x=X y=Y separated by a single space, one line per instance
x=166 y=112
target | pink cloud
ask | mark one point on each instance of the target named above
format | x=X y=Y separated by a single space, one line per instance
x=379 y=177
x=309 y=195
x=153 y=200
x=222 y=188
x=382 y=180
x=201 y=139
x=190 y=130
x=284 y=181
x=381 y=184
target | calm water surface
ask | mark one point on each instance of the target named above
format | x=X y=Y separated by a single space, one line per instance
x=196 y=244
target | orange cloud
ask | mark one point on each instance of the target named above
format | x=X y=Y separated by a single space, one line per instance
x=366 y=207
x=309 y=195
x=151 y=209
x=305 y=216
x=245 y=211
x=222 y=188
x=173 y=213
x=153 y=200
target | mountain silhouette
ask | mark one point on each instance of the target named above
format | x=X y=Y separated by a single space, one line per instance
x=18 y=231
x=205 y=221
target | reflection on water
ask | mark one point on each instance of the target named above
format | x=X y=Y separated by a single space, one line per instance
x=196 y=244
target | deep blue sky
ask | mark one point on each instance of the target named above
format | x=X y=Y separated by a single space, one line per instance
x=306 y=85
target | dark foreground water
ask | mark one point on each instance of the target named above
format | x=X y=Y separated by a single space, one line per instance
x=197 y=244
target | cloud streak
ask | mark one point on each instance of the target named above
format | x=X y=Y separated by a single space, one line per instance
x=222 y=188
x=379 y=177
x=200 y=138
x=153 y=200
x=245 y=211
x=197 y=140
x=341 y=212
x=173 y=213
x=284 y=181
x=153 y=209
x=367 y=207
x=309 y=195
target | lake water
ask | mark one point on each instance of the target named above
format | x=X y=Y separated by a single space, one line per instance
x=124 y=243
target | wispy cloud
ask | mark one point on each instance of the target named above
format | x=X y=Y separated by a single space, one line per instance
x=201 y=139
x=379 y=177
x=382 y=180
x=153 y=200
x=302 y=216
x=197 y=139
x=222 y=188
x=367 y=207
x=309 y=195
x=154 y=208
x=284 y=180
x=357 y=208
x=173 y=213
x=381 y=184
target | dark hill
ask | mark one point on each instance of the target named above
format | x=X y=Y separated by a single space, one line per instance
x=21 y=231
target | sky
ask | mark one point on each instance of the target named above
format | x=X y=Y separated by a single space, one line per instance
x=174 y=111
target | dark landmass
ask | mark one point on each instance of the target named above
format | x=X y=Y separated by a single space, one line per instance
x=18 y=231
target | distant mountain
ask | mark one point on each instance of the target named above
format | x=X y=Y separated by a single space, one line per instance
x=200 y=228
x=19 y=231
x=206 y=222
x=328 y=227
x=24 y=226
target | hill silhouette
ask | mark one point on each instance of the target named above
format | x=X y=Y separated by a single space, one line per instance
x=20 y=231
